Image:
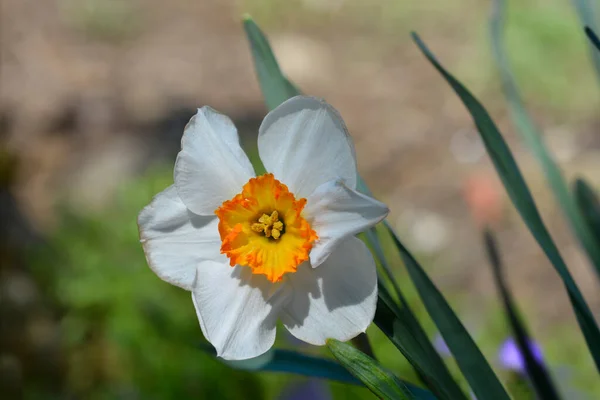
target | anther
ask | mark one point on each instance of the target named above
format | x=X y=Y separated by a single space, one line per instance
x=270 y=225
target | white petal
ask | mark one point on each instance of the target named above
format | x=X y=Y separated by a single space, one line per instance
x=175 y=240
x=336 y=213
x=336 y=300
x=237 y=309
x=211 y=166
x=304 y=143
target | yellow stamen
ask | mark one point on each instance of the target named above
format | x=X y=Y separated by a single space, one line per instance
x=275 y=234
x=270 y=225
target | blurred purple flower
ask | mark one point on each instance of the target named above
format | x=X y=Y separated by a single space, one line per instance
x=440 y=345
x=511 y=357
x=309 y=390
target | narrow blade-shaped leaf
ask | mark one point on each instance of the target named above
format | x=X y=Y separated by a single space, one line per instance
x=275 y=86
x=586 y=12
x=375 y=243
x=292 y=362
x=381 y=382
x=399 y=324
x=373 y=240
x=593 y=37
x=536 y=371
x=523 y=201
x=302 y=364
x=472 y=363
x=589 y=206
x=534 y=141
x=434 y=369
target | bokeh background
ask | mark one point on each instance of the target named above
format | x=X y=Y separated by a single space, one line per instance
x=94 y=95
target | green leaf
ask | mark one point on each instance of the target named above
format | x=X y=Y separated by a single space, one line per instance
x=302 y=364
x=586 y=13
x=416 y=347
x=431 y=368
x=373 y=240
x=287 y=361
x=536 y=371
x=383 y=383
x=399 y=324
x=523 y=201
x=472 y=363
x=589 y=206
x=275 y=86
x=377 y=249
x=533 y=139
x=593 y=37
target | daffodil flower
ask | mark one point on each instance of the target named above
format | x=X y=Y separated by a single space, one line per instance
x=255 y=249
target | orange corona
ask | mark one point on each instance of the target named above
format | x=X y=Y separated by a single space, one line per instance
x=263 y=228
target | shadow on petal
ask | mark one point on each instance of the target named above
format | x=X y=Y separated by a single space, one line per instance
x=199 y=221
x=245 y=277
x=237 y=310
x=336 y=300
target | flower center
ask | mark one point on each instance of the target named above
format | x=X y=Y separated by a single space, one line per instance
x=270 y=225
x=263 y=228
